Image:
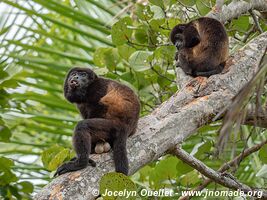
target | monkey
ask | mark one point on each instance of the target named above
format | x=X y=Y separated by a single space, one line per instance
x=202 y=46
x=110 y=112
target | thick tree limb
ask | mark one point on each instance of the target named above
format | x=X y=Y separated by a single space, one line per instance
x=228 y=165
x=236 y=8
x=170 y=124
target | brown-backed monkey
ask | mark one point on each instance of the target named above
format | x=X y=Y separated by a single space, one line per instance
x=202 y=46
x=110 y=113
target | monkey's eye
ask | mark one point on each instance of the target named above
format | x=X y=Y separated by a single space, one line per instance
x=83 y=74
x=73 y=74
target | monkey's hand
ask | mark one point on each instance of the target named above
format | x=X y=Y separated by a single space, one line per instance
x=73 y=165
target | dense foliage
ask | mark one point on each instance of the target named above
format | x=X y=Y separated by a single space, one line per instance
x=121 y=40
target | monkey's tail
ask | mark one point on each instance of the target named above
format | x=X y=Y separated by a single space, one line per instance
x=217 y=70
x=120 y=151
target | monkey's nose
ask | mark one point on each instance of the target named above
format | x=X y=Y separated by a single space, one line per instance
x=74 y=82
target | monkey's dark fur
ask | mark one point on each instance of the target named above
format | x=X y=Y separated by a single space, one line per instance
x=202 y=46
x=110 y=111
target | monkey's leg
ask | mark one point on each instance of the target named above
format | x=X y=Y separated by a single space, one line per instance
x=184 y=62
x=86 y=132
x=120 y=152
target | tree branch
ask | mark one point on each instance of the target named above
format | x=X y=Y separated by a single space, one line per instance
x=256 y=20
x=170 y=124
x=229 y=164
x=226 y=179
x=236 y=8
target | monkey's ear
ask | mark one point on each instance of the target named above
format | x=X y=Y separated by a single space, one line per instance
x=92 y=74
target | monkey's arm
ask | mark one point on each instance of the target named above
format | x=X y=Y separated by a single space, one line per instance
x=191 y=36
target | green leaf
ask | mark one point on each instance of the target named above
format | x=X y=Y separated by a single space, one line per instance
x=182 y=168
x=173 y=22
x=106 y=57
x=202 y=6
x=164 y=170
x=262 y=172
x=141 y=34
x=6 y=175
x=70 y=56
x=60 y=23
x=120 y=31
x=143 y=13
x=158 y=12
x=263 y=154
x=6 y=164
x=116 y=182
x=3 y=74
x=159 y=3
x=156 y=23
x=144 y=173
x=241 y=24
x=166 y=53
x=165 y=80
x=4 y=30
x=200 y=150
x=128 y=76
x=139 y=60
x=5 y=134
x=190 y=179
x=188 y=2
x=125 y=51
x=54 y=156
x=11 y=83
x=26 y=187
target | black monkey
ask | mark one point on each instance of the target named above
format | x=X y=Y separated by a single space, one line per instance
x=110 y=111
x=202 y=46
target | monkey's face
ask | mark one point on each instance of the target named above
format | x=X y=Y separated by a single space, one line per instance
x=177 y=36
x=80 y=78
x=179 y=41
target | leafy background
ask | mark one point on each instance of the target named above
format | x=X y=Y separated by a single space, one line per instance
x=124 y=40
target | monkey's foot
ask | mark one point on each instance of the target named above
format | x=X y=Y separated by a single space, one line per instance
x=90 y=161
x=74 y=165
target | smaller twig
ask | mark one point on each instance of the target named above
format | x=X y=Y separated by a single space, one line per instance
x=250 y=31
x=256 y=21
x=229 y=164
x=159 y=74
x=221 y=178
x=218 y=6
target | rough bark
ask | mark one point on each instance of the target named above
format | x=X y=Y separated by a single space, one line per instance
x=174 y=121
x=236 y=8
